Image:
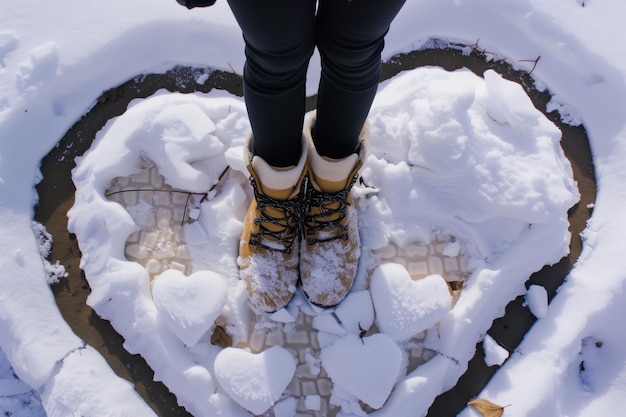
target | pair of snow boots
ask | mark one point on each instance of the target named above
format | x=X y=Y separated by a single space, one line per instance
x=301 y=226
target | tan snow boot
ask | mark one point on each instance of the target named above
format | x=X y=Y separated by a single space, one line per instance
x=330 y=250
x=269 y=248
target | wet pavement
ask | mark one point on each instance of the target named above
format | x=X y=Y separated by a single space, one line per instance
x=56 y=196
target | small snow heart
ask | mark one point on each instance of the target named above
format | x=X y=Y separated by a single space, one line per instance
x=255 y=380
x=189 y=304
x=406 y=307
x=366 y=368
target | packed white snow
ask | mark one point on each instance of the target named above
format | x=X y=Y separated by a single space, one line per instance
x=189 y=305
x=54 y=272
x=441 y=160
x=16 y=397
x=255 y=381
x=406 y=307
x=364 y=367
x=463 y=174
x=537 y=300
x=494 y=353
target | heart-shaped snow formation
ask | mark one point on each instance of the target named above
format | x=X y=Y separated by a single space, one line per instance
x=189 y=304
x=406 y=307
x=255 y=380
x=365 y=368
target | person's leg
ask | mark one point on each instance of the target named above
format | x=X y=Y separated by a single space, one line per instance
x=280 y=39
x=350 y=39
x=349 y=36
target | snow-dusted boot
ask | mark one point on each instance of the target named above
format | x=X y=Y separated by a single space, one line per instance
x=269 y=248
x=330 y=241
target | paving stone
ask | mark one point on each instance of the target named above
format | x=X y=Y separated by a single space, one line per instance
x=162 y=198
x=161 y=244
x=298 y=338
x=153 y=267
x=142 y=176
x=156 y=179
x=178 y=266
x=182 y=252
x=137 y=252
x=130 y=198
x=180 y=199
x=418 y=268
x=309 y=388
x=324 y=386
x=414 y=251
x=257 y=340
x=294 y=387
x=388 y=252
x=435 y=265
x=450 y=264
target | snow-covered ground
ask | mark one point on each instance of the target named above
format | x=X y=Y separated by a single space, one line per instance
x=451 y=154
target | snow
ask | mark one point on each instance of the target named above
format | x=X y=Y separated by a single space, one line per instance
x=450 y=152
x=537 y=300
x=353 y=363
x=494 y=353
x=255 y=381
x=404 y=307
x=353 y=315
x=189 y=305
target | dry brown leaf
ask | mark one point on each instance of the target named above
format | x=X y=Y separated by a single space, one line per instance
x=455 y=285
x=221 y=338
x=487 y=408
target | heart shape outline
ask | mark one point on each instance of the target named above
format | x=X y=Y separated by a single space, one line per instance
x=255 y=381
x=190 y=304
x=406 y=307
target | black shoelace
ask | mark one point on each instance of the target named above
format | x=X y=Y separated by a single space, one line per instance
x=286 y=227
x=331 y=213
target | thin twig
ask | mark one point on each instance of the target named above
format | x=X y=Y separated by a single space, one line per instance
x=234 y=72
x=534 y=61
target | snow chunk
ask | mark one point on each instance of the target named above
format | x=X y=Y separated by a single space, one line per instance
x=286 y=407
x=313 y=402
x=537 y=300
x=452 y=249
x=463 y=161
x=186 y=135
x=365 y=368
x=255 y=381
x=406 y=307
x=494 y=353
x=75 y=390
x=354 y=313
x=283 y=316
x=54 y=272
x=189 y=305
x=507 y=102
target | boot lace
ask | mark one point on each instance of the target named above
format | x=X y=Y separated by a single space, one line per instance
x=324 y=218
x=278 y=223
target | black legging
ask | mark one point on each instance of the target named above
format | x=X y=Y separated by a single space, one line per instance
x=280 y=36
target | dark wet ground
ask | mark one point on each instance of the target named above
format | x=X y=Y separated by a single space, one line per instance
x=56 y=196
